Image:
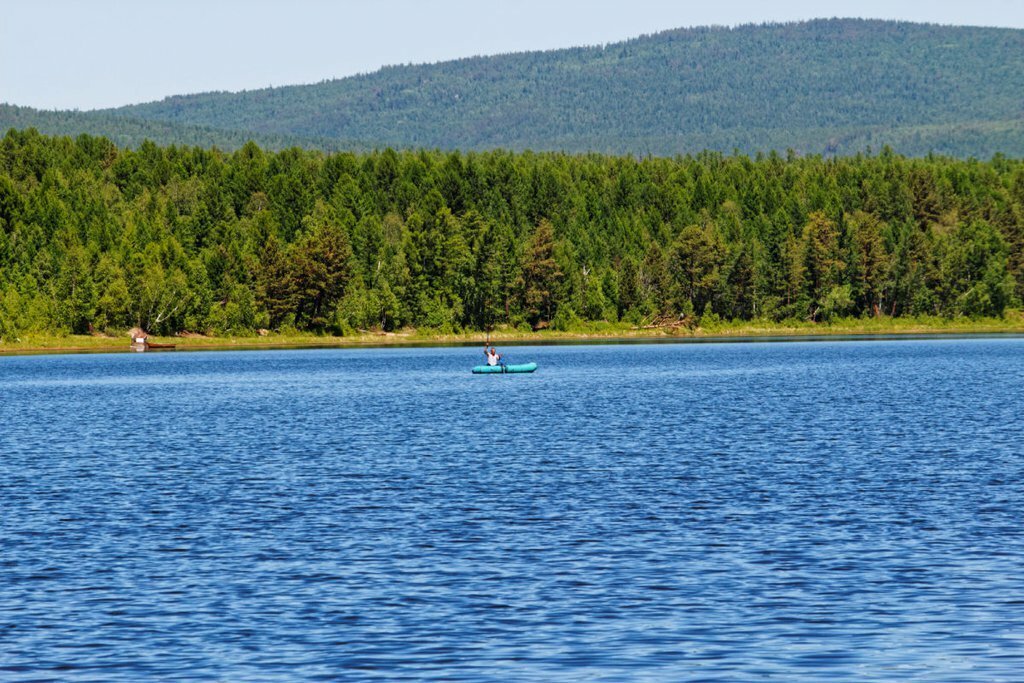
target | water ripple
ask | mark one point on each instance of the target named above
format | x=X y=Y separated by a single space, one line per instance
x=670 y=512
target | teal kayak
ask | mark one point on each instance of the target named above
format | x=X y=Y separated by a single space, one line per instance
x=503 y=369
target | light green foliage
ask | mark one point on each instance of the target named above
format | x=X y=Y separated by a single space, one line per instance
x=973 y=272
x=185 y=239
x=837 y=303
x=565 y=320
x=823 y=266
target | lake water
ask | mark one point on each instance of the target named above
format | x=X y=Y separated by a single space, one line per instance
x=793 y=511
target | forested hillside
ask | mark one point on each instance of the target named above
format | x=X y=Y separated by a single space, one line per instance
x=184 y=238
x=821 y=87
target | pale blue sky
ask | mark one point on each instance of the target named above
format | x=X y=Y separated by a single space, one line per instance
x=68 y=54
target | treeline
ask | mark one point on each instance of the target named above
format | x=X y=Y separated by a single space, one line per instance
x=93 y=237
x=129 y=132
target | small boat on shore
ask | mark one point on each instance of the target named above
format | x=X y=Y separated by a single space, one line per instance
x=142 y=343
x=503 y=369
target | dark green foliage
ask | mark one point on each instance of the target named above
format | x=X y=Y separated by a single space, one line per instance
x=695 y=265
x=184 y=239
x=827 y=87
x=541 y=275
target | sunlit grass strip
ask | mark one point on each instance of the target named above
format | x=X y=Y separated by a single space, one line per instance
x=1013 y=322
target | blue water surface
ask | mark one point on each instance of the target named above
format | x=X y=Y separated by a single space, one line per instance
x=678 y=512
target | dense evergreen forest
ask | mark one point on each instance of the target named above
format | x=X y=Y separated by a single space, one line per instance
x=132 y=132
x=830 y=87
x=189 y=239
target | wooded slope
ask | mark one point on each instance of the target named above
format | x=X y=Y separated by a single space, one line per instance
x=820 y=87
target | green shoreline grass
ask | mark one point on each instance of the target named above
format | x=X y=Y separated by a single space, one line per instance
x=1012 y=323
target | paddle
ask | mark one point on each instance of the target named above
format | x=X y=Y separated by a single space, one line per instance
x=487 y=343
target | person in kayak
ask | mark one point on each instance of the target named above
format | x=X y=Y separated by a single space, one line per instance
x=493 y=357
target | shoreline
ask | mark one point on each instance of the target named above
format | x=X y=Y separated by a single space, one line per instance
x=35 y=344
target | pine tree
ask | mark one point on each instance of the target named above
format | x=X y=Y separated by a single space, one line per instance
x=541 y=275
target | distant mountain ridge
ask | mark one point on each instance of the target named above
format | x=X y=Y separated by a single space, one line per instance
x=830 y=86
